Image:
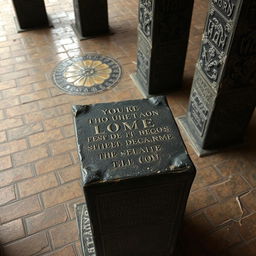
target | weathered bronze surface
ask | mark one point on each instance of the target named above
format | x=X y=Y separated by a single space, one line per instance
x=30 y=14
x=223 y=94
x=91 y=18
x=163 y=33
x=136 y=176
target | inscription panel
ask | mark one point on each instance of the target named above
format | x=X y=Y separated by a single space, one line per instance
x=207 y=91
x=198 y=112
x=226 y=7
x=126 y=139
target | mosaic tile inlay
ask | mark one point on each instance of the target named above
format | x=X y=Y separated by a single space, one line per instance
x=89 y=74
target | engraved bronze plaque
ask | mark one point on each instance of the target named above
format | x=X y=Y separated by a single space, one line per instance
x=30 y=14
x=136 y=175
x=223 y=95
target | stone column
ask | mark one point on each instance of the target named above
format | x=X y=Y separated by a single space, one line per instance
x=223 y=94
x=30 y=14
x=163 y=32
x=136 y=177
x=91 y=18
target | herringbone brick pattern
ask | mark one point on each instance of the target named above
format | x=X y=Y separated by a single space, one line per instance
x=39 y=167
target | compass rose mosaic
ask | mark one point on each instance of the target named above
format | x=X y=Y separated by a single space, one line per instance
x=89 y=74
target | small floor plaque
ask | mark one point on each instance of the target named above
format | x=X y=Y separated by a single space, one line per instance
x=89 y=74
x=136 y=176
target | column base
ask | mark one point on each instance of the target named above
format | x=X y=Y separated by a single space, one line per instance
x=85 y=230
x=20 y=30
x=182 y=121
x=139 y=87
x=81 y=37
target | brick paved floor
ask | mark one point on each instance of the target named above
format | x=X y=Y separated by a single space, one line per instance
x=39 y=169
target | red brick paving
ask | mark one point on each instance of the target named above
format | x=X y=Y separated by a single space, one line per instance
x=39 y=170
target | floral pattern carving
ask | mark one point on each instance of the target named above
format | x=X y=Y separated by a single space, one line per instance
x=146 y=16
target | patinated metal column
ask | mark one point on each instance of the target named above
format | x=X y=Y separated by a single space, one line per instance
x=163 y=33
x=136 y=176
x=223 y=95
x=91 y=18
x=30 y=14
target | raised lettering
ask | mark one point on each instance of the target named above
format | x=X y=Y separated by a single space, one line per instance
x=132 y=126
x=97 y=130
x=148 y=123
x=107 y=155
x=148 y=158
x=226 y=6
x=122 y=163
x=114 y=127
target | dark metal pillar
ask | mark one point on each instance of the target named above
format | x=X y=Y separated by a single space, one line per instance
x=91 y=18
x=223 y=95
x=136 y=178
x=30 y=14
x=163 y=33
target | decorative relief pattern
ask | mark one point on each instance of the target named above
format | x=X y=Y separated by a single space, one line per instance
x=91 y=73
x=214 y=46
x=87 y=73
x=143 y=59
x=210 y=62
x=218 y=32
x=143 y=65
x=146 y=17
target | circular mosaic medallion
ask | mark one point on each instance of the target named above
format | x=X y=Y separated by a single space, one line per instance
x=89 y=74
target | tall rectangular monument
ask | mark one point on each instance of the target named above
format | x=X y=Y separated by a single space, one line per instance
x=163 y=33
x=136 y=176
x=223 y=95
